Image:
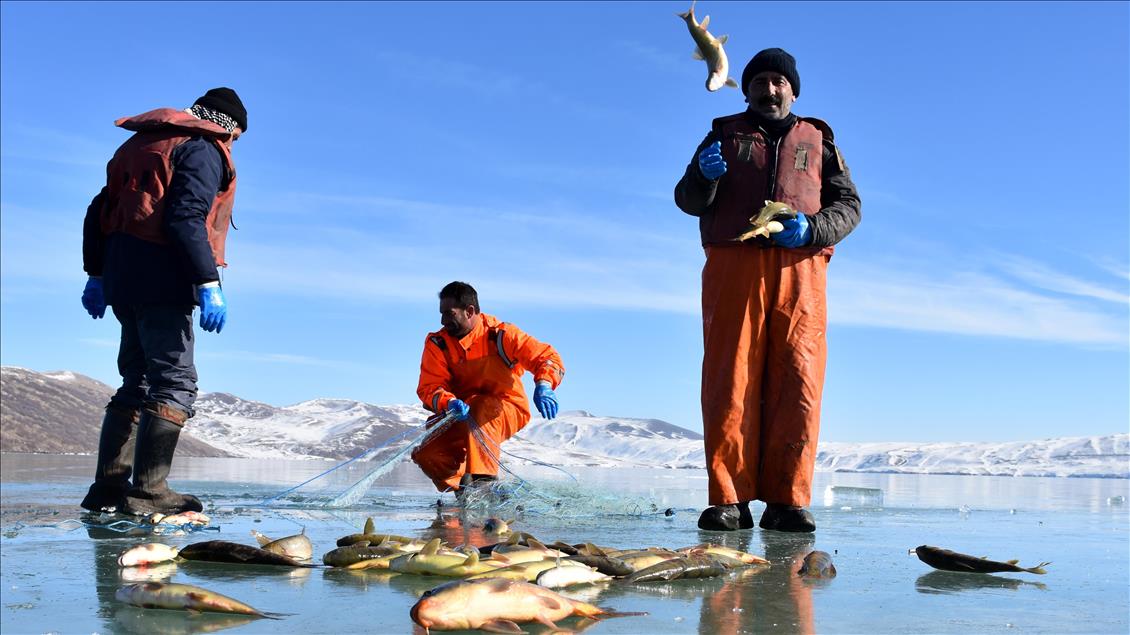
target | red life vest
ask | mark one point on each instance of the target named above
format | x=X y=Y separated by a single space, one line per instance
x=141 y=171
x=745 y=187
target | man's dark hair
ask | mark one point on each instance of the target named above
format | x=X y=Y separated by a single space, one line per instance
x=462 y=293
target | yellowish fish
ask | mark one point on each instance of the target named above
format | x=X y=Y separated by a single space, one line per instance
x=709 y=49
x=498 y=605
x=764 y=223
x=157 y=595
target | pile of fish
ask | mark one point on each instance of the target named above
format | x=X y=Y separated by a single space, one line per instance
x=292 y=551
x=494 y=587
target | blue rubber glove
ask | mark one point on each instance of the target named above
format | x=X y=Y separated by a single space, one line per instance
x=795 y=234
x=92 y=298
x=710 y=161
x=213 y=308
x=459 y=409
x=545 y=400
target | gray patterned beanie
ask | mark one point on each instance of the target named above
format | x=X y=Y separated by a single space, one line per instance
x=222 y=107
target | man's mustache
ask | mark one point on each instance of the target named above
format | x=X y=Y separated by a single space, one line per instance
x=769 y=100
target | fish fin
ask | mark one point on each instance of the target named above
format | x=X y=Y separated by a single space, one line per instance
x=731 y=83
x=273 y=616
x=472 y=559
x=722 y=39
x=361 y=543
x=194 y=612
x=697 y=54
x=549 y=603
x=500 y=626
x=501 y=557
x=705 y=23
x=1038 y=569
x=832 y=570
x=533 y=543
x=1015 y=561
x=514 y=538
x=593 y=550
x=431 y=548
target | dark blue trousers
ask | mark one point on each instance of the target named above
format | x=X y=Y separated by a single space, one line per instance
x=155 y=357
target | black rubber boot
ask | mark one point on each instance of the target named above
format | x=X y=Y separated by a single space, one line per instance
x=157 y=438
x=115 y=460
x=726 y=517
x=779 y=517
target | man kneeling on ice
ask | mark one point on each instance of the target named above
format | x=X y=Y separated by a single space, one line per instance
x=472 y=369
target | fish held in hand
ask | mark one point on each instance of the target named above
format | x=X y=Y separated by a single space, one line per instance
x=498 y=605
x=158 y=595
x=709 y=49
x=947 y=560
x=765 y=223
x=817 y=564
x=147 y=554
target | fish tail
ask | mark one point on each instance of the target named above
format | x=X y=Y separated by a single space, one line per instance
x=1038 y=569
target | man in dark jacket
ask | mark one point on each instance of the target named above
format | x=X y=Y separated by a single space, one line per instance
x=153 y=240
x=763 y=299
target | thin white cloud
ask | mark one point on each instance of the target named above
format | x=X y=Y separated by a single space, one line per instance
x=1044 y=277
x=967 y=304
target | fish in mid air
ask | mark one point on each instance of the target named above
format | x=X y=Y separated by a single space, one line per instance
x=709 y=49
x=947 y=560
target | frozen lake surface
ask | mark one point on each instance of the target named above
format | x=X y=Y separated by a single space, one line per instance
x=58 y=576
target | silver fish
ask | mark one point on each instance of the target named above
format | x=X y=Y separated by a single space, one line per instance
x=297 y=546
x=709 y=49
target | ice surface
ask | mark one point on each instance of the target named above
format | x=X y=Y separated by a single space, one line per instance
x=56 y=578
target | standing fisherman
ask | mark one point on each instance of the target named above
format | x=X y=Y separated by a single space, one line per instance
x=472 y=368
x=153 y=240
x=763 y=300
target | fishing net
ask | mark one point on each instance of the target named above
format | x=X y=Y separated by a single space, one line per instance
x=511 y=496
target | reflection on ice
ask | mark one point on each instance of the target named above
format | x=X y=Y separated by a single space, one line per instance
x=51 y=561
x=952 y=582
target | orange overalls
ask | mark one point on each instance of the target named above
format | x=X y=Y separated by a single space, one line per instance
x=764 y=320
x=484 y=369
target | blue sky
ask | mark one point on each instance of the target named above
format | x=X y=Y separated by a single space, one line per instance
x=531 y=150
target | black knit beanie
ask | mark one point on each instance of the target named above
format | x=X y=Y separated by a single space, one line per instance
x=776 y=60
x=226 y=101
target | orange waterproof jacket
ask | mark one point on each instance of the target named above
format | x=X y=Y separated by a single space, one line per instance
x=491 y=359
x=141 y=171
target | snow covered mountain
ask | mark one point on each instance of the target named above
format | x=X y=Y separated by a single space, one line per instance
x=60 y=412
x=337 y=429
